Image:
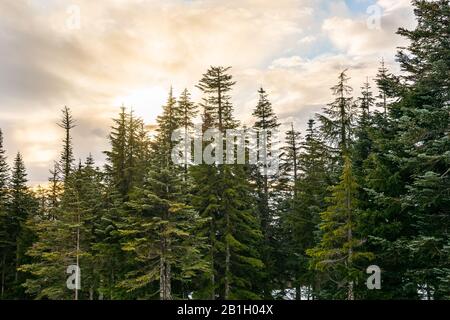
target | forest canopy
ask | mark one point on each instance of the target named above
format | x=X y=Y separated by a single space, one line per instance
x=366 y=184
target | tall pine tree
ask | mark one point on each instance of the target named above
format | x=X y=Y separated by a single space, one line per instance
x=222 y=195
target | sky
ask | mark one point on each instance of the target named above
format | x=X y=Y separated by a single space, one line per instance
x=94 y=56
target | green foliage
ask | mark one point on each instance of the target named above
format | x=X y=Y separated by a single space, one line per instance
x=337 y=121
x=369 y=185
x=337 y=252
x=300 y=223
x=66 y=161
x=16 y=237
x=222 y=194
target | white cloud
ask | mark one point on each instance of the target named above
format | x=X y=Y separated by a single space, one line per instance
x=132 y=51
x=290 y=62
x=356 y=36
x=307 y=39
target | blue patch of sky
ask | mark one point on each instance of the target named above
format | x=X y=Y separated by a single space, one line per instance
x=324 y=10
x=358 y=7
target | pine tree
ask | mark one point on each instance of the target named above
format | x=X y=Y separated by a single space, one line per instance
x=289 y=160
x=4 y=218
x=366 y=100
x=67 y=239
x=66 y=162
x=407 y=170
x=4 y=171
x=55 y=191
x=22 y=205
x=83 y=204
x=161 y=232
x=168 y=123
x=362 y=145
x=265 y=125
x=337 y=252
x=424 y=131
x=338 y=119
x=64 y=228
x=188 y=111
x=161 y=223
x=365 y=186
x=117 y=156
x=216 y=84
x=283 y=194
x=384 y=85
x=222 y=194
x=266 y=181
x=129 y=152
x=300 y=222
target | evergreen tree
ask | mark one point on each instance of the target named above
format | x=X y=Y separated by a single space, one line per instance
x=266 y=123
x=362 y=145
x=365 y=186
x=289 y=160
x=424 y=132
x=366 y=100
x=22 y=205
x=265 y=180
x=111 y=262
x=66 y=162
x=168 y=123
x=384 y=84
x=407 y=169
x=161 y=230
x=4 y=235
x=337 y=252
x=222 y=195
x=216 y=84
x=4 y=171
x=67 y=239
x=117 y=156
x=188 y=111
x=284 y=193
x=338 y=119
x=54 y=193
x=300 y=223
x=129 y=153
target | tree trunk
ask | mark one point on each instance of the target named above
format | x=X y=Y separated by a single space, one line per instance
x=164 y=282
x=78 y=258
x=351 y=294
x=168 y=281
x=3 y=275
x=165 y=274
x=298 y=292
x=213 y=279
x=162 y=279
x=111 y=284
x=227 y=260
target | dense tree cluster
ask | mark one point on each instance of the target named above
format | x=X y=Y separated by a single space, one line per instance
x=366 y=184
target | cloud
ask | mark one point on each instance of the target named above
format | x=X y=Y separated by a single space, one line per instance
x=94 y=57
x=370 y=34
x=300 y=88
x=307 y=39
x=290 y=62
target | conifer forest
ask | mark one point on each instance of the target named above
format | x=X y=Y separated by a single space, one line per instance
x=358 y=207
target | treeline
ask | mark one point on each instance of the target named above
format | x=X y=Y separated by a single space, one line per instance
x=366 y=184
